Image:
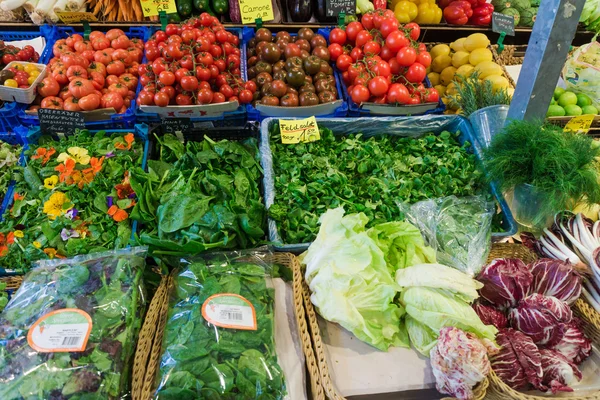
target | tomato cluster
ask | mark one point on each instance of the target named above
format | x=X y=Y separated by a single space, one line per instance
x=11 y=53
x=85 y=75
x=381 y=61
x=194 y=63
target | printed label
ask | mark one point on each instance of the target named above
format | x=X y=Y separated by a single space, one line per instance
x=580 y=124
x=299 y=131
x=65 y=330
x=151 y=8
x=69 y=17
x=251 y=10
x=229 y=310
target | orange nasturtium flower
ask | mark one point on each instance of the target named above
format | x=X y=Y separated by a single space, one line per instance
x=129 y=139
x=65 y=169
x=44 y=154
x=95 y=166
x=52 y=253
x=117 y=214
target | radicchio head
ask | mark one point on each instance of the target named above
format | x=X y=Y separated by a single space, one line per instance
x=506 y=281
x=556 y=278
x=519 y=362
x=539 y=317
x=490 y=315
x=571 y=342
x=559 y=372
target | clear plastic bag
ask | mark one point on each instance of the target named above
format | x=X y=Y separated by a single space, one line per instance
x=581 y=72
x=70 y=330
x=458 y=228
x=219 y=340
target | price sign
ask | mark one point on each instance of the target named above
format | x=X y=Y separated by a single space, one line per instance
x=503 y=24
x=60 y=121
x=173 y=125
x=74 y=17
x=251 y=10
x=151 y=8
x=299 y=131
x=580 y=124
x=336 y=7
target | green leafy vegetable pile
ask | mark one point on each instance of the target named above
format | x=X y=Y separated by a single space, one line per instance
x=9 y=159
x=200 y=196
x=107 y=286
x=203 y=361
x=364 y=175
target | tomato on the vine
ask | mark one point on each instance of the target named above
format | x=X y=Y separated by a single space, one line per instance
x=406 y=56
x=362 y=38
x=360 y=94
x=416 y=73
x=414 y=30
x=378 y=86
x=388 y=26
x=338 y=36
x=352 y=30
x=424 y=58
x=397 y=93
x=189 y=83
x=396 y=40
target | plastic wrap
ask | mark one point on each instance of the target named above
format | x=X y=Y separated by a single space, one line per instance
x=220 y=339
x=459 y=229
x=582 y=71
x=70 y=330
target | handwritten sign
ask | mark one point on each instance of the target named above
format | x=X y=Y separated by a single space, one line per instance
x=74 y=17
x=299 y=131
x=151 y=8
x=60 y=121
x=580 y=124
x=173 y=125
x=503 y=24
x=335 y=7
x=251 y=10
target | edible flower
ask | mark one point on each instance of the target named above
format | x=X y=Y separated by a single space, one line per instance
x=18 y=233
x=44 y=154
x=77 y=154
x=55 y=206
x=65 y=169
x=129 y=139
x=124 y=189
x=50 y=183
x=117 y=214
x=67 y=234
x=72 y=213
x=95 y=166
x=52 y=253
x=37 y=244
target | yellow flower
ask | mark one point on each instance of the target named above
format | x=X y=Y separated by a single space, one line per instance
x=50 y=183
x=77 y=154
x=54 y=207
x=50 y=252
x=18 y=233
x=37 y=244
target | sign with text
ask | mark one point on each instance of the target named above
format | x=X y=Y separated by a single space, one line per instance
x=172 y=125
x=151 y=8
x=299 y=130
x=335 y=7
x=503 y=24
x=60 y=121
x=580 y=124
x=251 y=10
x=74 y=17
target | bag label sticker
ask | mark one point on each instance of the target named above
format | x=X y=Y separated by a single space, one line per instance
x=65 y=330
x=299 y=130
x=231 y=311
x=580 y=124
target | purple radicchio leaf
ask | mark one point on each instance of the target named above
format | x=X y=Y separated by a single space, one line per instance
x=571 y=342
x=539 y=317
x=490 y=315
x=506 y=281
x=556 y=278
x=518 y=363
x=559 y=372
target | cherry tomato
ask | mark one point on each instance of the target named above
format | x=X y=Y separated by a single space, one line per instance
x=360 y=94
x=382 y=68
x=416 y=73
x=204 y=96
x=397 y=93
x=343 y=62
x=424 y=58
x=183 y=99
x=161 y=99
x=367 y=21
x=352 y=31
x=338 y=36
x=414 y=29
x=335 y=50
x=357 y=54
x=145 y=98
x=406 y=56
x=218 y=97
x=251 y=86
x=413 y=100
x=189 y=83
x=431 y=96
x=396 y=40
x=169 y=90
x=245 y=96
x=167 y=78
x=388 y=26
x=362 y=38
x=378 y=86
x=160 y=36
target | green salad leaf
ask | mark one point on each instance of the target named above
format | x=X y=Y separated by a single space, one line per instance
x=9 y=159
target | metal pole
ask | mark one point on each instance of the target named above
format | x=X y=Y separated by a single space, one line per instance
x=547 y=51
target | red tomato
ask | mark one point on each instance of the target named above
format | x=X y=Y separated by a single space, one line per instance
x=204 y=85
x=355 y=70
x=82 y=46
x=372 y=47
x=397 y=93
x=251 y=86
x=378 y=86
x=112 y=79
x=174 y=51
x=388 y=26
x=352 y=30
x=232 y=62
x=367 y=21
x=102 y=57
x=112 y=100
x=431 y=96
x=122 y=55
x=357 y=54
x=71 y=104
x=406 y=56
x=183 y=99
x=145 y=98
x=360 y=94
x=114 y=33
x=382 y=68
x=80 y=87
x=118 y=88
x=48 y=87
x=362 y=38
x=122 y=42
x=343 y=62
x=416 y=73
x=338 y=36
x=89 y=102
x=335 y=50
x=167 y=78
x=169 y=90
x=386 y=54
x=97 y=79
x=377 y=19
x=413 y=100
x=152 y=53
x=222 y=36
x=424 y=58
x=76 y=71
x=8 y=58
x=60 y=75
x=189 y=83
x=171 y=29
x=218 y=97
x=204 y=96
x=220 y=64
x=96 y=35
x=115 y=67
x=396 y=40
x=52 y=102
x=414 y=30
x=245 y=96
x=129 y=81
x=205 y=59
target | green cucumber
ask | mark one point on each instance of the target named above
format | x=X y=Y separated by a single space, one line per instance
x=184 y=8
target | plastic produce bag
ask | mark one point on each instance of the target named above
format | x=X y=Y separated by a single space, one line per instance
x=458 y=228
x=219 y=340
x=582 y=71
x=70 y=330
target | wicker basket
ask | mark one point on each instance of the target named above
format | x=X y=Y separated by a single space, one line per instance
x=319 y=348
x=149 y=350
x=12 y=282
x=500 y=390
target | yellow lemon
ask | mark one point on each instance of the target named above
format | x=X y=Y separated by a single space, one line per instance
x=498 y=82
x=458 y=44
x=476 y=41
x=487 y=68
x=439 y=50
x=441 y=89
x=480 y=55
x=440 y=63
x=447 y=75
x=460 y=58
x=465 y=70
x=434 y=78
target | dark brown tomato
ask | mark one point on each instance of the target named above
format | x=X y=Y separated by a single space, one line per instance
x=263 y=78
x=326 y=97
x=263 y=35
x=256 y=95
x=323 y=85
x=319 y=75
x=312 y=65
x=294 y=62
x=271 y=53
x=322 y=53
x=289 y=100
x=252 y=43
x=269 y=101
x=318 y=40
x=252 y=72
x=251 y=51
x=295 y=77
x=279 y=66
x=308 y=79
x=279 y=75
x=308 y=99
x=252 y=61
x=263 y=66
x=306 y=34
x=265 y=89
x=278 y=88
x=307 y=87
x=325 y=67
x=283 y=35
x=282 y=44
x=304 y=54
x=303 y=44
x=292 y=90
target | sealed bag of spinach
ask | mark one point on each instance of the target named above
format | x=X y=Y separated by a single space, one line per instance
x=70 y=331
x=230 y=333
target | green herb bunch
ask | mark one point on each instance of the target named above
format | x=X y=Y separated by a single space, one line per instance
x=561 y=165
x=473 y=94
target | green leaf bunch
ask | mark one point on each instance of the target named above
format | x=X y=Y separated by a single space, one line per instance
x=473 y=94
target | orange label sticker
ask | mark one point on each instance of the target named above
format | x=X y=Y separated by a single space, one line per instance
x=231 y=311
x=65 y=330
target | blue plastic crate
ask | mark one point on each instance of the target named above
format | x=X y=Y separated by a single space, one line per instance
x=254 y=114
x=230 y=118
x=10 y=110
x=401 y=126
x=124 y=120
x=32 y=136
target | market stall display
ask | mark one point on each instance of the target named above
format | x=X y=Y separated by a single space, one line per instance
x=9 y=160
